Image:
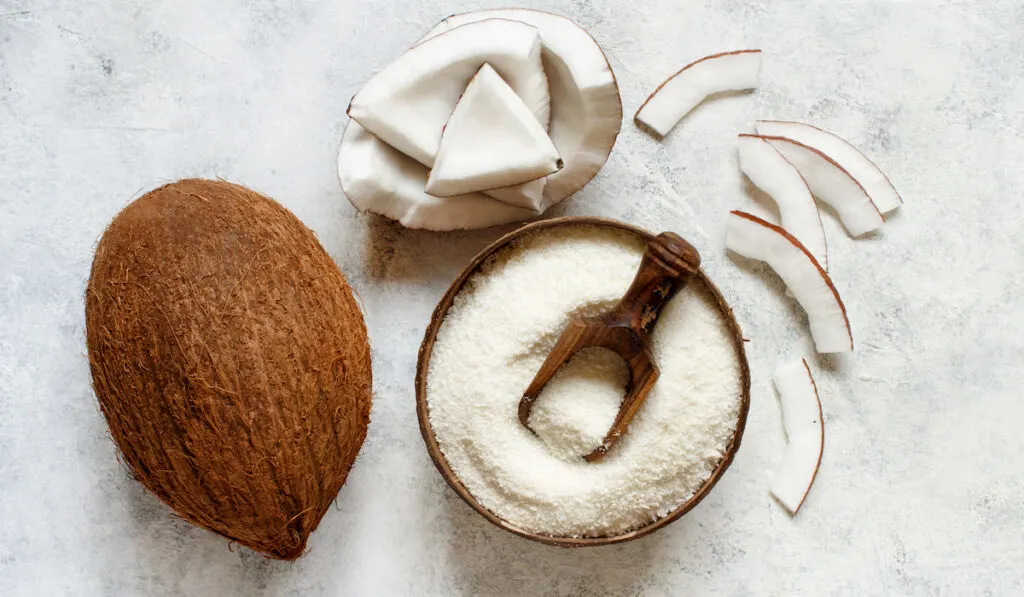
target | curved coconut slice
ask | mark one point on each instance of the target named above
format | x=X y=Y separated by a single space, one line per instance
x=832 y=184
x=770 y=172
x=754 y=238
x=379 y=179
x=805 y=432
x=407 y=104
x=492 y=140
x=875 y=183
x=683 y=91
x=586 y=112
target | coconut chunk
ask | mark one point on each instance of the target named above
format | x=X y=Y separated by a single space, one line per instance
x=586 y=112
x=754 y=238
x=875 y=183
x=831 y=183
x=805 y=433
x=683 y=91
x=585 y=117
x=381 y=180
x=773 y=174
x=407 y=104
x=527 y=193
x=492 y=140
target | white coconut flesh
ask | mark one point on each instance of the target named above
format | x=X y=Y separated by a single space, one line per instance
x=379 y=179
x=875 y=183
x=585 y=118
x=524 y=194
x=586 y=112
x=770 y=172
x=805 y=434
x=492 y=140
x=407 y=103
x=683 y=91
x=831 y=183
x=753 y=238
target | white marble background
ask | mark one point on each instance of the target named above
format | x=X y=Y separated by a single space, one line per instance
x=922 y=487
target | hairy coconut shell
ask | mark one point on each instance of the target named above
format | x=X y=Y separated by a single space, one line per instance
x=230 y=360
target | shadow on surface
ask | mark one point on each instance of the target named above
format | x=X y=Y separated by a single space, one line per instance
x=395 y=252
x=487 y=560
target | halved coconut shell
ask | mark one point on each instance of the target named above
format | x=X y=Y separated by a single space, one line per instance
x=422 y=408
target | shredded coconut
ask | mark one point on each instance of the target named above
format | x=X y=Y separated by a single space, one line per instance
x=493 y=340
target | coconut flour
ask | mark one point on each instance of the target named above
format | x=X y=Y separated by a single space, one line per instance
x=493 y=340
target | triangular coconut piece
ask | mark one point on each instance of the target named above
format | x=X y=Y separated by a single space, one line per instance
x=583 y=90
x=876 y=184
x=492 y=140
x=754 y=238
x=805 y=434
x=683 y=91
x=773 y=174
x=407 y=104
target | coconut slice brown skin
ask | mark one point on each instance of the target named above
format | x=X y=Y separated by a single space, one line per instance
x=658 y=134
x=230 y=360
x=781 y=143
x=423 y=413
x=792 y=240
x=794 y=434
x=771 y=172
x=378 y=179
x=872 y=178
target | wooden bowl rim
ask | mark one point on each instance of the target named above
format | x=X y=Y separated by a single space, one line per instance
x=435 y=450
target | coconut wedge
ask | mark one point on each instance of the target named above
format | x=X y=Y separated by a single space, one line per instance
x=754 y=238
x=379 y=179
x=492 y=140
x=875 y=183
x=683 y=91
x=831 y=183
x=770 y=172
x=528 y=193
x=586 y=112
x=805 y=432
x=407 y=104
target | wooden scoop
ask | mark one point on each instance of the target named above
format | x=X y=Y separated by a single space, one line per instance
x=667 y=265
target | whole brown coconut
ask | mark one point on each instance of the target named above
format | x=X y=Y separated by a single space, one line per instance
x=230 y=360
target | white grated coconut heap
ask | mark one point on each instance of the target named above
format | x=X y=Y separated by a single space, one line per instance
x=493 y=340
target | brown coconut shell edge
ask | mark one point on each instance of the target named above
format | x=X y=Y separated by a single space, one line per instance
x=437 y=456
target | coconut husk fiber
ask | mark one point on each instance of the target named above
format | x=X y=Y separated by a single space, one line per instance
x=230 y=360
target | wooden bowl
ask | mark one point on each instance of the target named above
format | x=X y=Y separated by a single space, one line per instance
x=435 y=450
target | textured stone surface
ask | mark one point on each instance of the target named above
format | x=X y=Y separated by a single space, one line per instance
x=922 y=488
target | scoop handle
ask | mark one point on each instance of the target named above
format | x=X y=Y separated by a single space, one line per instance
x=666 y=266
